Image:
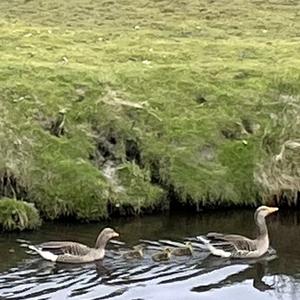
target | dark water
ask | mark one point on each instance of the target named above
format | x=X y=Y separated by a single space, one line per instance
x=23 y=276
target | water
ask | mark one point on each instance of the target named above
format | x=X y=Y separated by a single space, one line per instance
x=24 y=276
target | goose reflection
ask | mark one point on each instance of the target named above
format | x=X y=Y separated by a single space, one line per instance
x=256 y=270
x=260 y=272
x=51 y=268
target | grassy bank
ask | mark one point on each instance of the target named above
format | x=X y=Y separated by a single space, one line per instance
x=18 y=215
x=112 y=106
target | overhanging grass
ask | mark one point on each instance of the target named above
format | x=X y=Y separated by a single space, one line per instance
x=18 y=215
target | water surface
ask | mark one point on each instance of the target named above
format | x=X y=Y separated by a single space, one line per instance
x=23 y=276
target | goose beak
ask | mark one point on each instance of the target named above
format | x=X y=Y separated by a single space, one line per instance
x=115 y=234
x=272 y=209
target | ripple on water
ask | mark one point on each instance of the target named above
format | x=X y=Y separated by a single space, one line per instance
x=180 y=278
x=119 y=278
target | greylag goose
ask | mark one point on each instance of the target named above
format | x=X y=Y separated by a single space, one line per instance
x=72 y=252
x=237 y=246
x=137 y=252
x=187 y=250
x=163 y=255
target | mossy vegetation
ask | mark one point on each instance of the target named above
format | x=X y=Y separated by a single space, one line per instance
x=136 y=191
x=185 y=95
x=18 y=215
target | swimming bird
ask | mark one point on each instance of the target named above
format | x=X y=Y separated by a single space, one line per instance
x=163 y=255
x=137 y=252
x=73 y=252
x=237 y=246
x=186 y=250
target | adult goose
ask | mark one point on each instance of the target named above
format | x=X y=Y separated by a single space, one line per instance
x=73 y=252
x=237 y=246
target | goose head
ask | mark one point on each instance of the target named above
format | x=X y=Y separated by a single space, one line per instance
x=105 y=235
x=260 y=214
x=264 y=211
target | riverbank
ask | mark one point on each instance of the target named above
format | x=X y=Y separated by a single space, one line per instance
x=118 y=107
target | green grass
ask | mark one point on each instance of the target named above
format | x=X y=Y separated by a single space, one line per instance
x=18 y=215
x=182 y=79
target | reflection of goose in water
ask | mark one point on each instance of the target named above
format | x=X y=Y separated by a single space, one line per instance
x=48 y=267
x=237 y=246
x=258 y=283
x=256 y=270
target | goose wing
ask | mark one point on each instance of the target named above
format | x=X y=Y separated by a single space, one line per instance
x=60 y=248
x=237 y=245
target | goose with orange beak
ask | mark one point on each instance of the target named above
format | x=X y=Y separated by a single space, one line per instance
x=73 y=252
x=238 y=246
